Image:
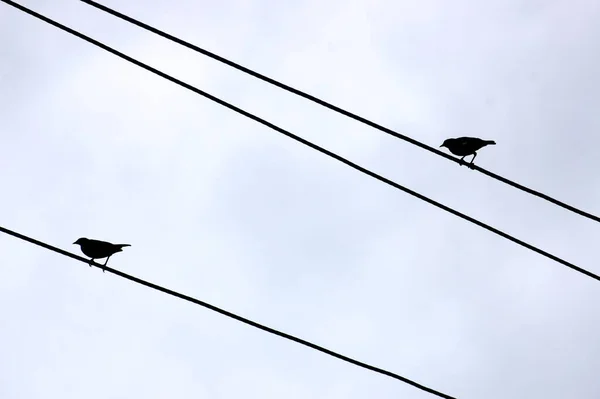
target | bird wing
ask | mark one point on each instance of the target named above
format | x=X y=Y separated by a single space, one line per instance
x=469 y=140
x=471 y=144
x=103 y=247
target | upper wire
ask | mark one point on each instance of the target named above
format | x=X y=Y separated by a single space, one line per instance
x=303 y=141
x=337 y=109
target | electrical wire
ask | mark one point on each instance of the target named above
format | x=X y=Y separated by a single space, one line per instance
x=226 y=313
x=336 y=108
x=303 y=141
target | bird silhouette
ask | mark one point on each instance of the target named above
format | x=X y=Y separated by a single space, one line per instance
x=96 y=249
x=463 y=146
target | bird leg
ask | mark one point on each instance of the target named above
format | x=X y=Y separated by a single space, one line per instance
x=105 y=262
x=471 y=164
x=462 y=161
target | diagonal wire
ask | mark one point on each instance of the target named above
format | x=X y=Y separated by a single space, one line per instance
x=303 y=141
x=226 y=313
x=336 y=108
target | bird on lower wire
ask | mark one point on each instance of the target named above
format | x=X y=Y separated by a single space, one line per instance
x=96 y=249
x=463 y=146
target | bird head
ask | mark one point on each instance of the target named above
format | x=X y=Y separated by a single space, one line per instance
x=445 y=143
x=448 y=143
x=81 y=241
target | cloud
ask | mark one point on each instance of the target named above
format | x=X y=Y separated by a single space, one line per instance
x=226 y=210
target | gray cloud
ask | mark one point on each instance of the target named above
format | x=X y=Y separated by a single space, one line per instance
x=224 y=209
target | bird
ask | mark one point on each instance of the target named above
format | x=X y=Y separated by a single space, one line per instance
x=97 y=249
x=463 y=146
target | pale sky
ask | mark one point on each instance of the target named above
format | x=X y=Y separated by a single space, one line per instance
x=228 y=211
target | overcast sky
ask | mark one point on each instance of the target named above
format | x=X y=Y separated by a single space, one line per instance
x=228 y=211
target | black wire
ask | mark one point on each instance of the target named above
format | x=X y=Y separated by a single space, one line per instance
x=225 y=312
x=303 y=141
x=336 y=108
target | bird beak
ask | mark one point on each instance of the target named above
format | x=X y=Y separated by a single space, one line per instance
x=441 y=146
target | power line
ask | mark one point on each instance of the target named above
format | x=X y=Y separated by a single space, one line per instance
x=303 y=141
x=335 y=108
x=226 y=313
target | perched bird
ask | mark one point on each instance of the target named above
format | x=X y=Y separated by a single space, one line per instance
x=464 y=146
x=96 y=249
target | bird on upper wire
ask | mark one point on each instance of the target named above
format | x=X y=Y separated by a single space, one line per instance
x=97 y=249
x=463 y=146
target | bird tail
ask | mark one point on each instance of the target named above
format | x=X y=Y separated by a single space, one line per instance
x=490 y=142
